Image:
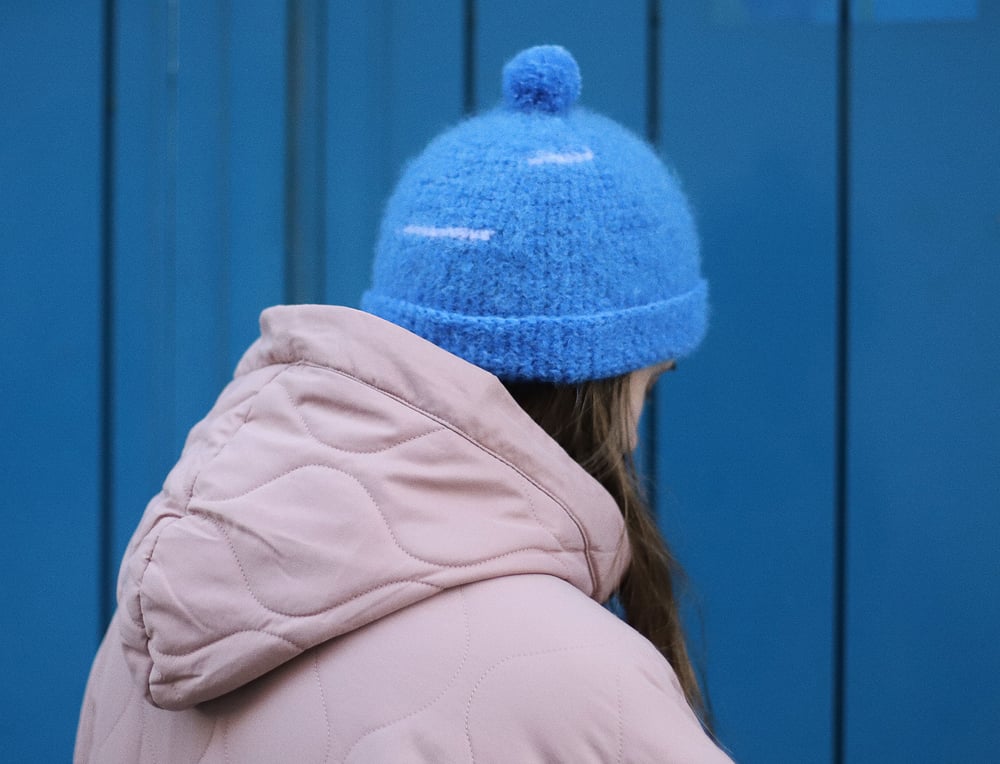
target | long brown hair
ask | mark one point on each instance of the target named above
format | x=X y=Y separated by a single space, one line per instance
x=591 y=421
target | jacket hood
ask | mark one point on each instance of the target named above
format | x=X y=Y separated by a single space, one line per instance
x=349 y=470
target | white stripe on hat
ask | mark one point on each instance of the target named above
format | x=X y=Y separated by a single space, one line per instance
x=567 y=157
x=433 y=232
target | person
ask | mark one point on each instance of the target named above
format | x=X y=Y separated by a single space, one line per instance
x=391 y=538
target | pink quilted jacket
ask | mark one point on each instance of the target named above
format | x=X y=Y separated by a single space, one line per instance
x=368 y=553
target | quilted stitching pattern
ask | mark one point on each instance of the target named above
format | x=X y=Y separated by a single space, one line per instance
x=360 y=532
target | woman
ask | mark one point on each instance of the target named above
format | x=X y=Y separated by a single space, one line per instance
x=372 y=549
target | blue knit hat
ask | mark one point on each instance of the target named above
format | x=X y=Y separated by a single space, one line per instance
x=541 y=241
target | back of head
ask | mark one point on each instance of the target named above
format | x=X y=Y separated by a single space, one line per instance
x=541 y=241
x=550 y=246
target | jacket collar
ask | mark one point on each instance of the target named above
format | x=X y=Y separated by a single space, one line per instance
x=458 y=394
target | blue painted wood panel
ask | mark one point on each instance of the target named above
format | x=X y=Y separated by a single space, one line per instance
x=143 y=220
x=199 y=221
x=305 y=166
x=358 y=175
x=256 y=172
x=394 y=79
x=216 y=133
x=746 y=425
x=51 y=101
x=253 y=146
x=924 y=510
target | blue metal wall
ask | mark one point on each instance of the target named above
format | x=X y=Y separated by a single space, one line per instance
x=827 y=463
x=51 y=197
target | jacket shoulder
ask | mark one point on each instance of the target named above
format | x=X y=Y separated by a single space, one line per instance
x=575 y=683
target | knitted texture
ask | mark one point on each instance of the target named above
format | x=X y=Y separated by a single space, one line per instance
x=542 y=241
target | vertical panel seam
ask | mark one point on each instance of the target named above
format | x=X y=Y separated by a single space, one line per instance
x=305 y=172
x=291 y=147
x=107 y=317
x=469 y=57
x=653 y=21
x=320 y=65
x=225 y=196
x=842 y=381
x=168 y=412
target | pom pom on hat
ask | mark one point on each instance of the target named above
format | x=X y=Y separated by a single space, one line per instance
x=544 y=78
x=541 y=241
